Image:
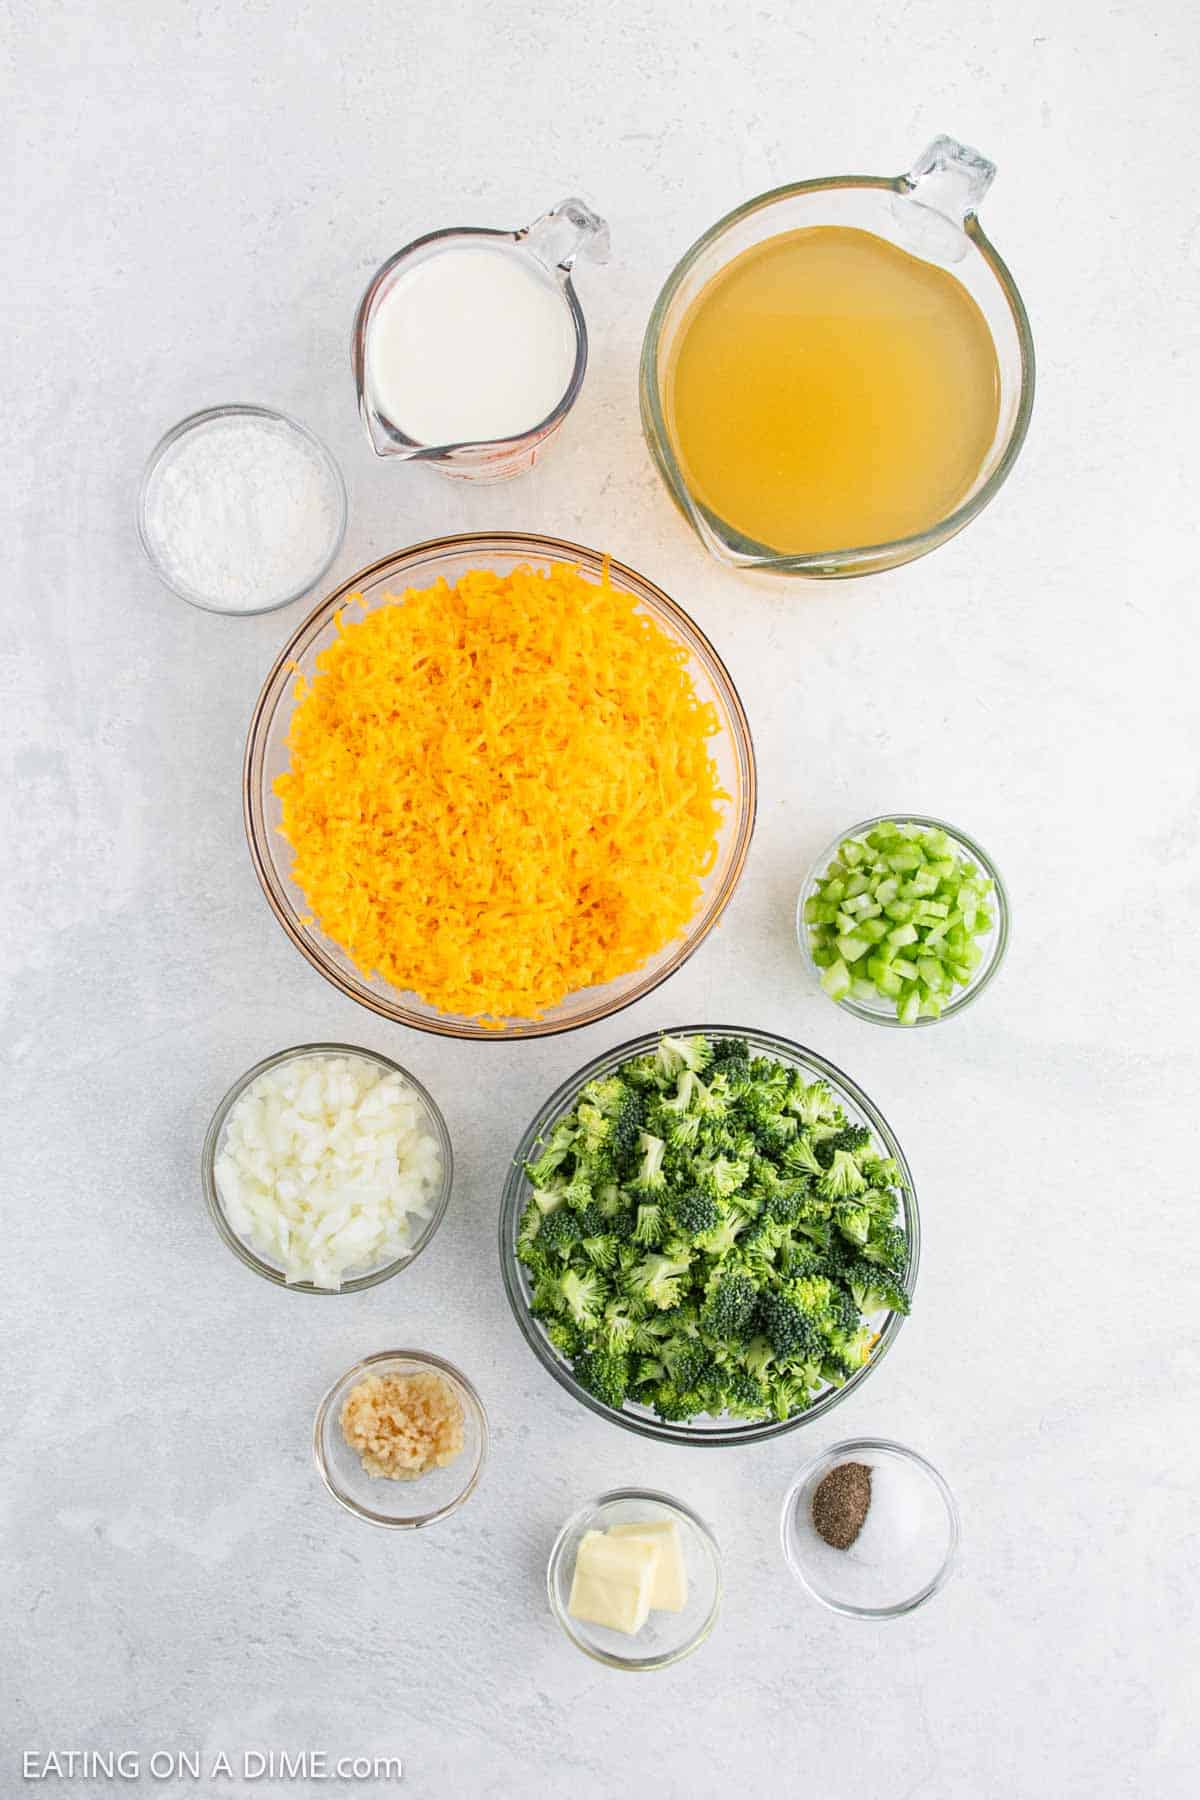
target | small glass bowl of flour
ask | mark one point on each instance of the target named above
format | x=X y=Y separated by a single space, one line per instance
x=241 y=509
x=870 y=1529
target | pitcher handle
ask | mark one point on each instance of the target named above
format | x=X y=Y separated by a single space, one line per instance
x=951 y=178
x=938 y=197
x=558 y=236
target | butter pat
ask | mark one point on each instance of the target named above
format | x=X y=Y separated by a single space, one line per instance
x=613 y=1581
x=669 y=1590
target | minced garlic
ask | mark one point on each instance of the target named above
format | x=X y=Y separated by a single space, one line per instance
x=403 y=1425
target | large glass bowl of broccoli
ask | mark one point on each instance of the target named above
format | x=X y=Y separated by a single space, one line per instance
x=709 y=1235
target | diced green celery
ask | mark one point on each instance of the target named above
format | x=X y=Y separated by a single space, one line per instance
x=852 y=946
x=836 y=981
x=898 y=914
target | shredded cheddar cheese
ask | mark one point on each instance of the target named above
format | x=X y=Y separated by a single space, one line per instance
x=501 y=792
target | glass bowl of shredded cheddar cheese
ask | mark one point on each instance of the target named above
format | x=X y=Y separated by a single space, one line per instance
x=401 y=1439
x=498 y=786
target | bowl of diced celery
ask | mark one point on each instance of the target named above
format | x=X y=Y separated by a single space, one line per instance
x=904 y=920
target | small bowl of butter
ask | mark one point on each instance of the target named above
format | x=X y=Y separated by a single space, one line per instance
x=635 y=1579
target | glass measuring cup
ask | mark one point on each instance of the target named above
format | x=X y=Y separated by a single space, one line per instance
x=551 y=242
x=931 y=212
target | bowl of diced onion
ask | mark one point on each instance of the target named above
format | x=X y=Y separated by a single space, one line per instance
x=327 y=1169
x=903 y=919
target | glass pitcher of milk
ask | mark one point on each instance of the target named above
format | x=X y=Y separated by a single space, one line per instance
x=470 y=345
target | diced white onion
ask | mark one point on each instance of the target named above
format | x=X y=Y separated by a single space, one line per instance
x=323 y=1163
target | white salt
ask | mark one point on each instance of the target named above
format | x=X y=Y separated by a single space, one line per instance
x=242 y=512
x=897 y=1515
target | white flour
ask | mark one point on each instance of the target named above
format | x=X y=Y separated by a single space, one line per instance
x=242 y=512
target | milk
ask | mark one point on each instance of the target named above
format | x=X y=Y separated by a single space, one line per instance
x=470 y=345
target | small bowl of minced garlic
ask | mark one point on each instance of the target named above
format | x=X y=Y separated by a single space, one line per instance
x=401 y=1439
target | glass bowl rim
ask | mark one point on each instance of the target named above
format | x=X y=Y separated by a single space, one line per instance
x=437 y=1365
x=239 y=409
x=516 y=543
x=753 y=555
x=836 y=1452
x=712 y=1548
x=250 y=1257
x=981 y=978
x=515 y=1185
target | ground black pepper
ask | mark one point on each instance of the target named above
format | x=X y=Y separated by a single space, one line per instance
x=841 y=1502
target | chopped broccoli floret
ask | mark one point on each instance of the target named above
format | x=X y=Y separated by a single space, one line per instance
x=604 y=1373
x=694 y=1213
x=600 y=1250
x=849 y=1137
x=744 y=1397
x=721 y=1176
x=554 y=1153
x=583 y=1295
x=658 y=1279
x=675 y=1054
x=651 y=1227
x=560 y=1231
x=730 y=1307
x=791 y=1333
x=627 y=1130
x=650 y=1178
x=566 y=1337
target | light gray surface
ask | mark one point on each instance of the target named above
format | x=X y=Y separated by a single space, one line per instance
x=193 y=197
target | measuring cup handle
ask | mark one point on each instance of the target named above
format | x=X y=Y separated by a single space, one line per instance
x=558 y=236
x=950 y=178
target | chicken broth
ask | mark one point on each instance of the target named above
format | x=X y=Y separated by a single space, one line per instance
x=828 y=390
